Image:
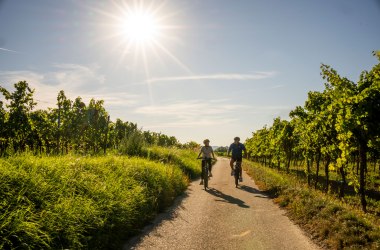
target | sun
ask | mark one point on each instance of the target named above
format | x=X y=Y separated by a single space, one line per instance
x=141 y=33
x=140 y=27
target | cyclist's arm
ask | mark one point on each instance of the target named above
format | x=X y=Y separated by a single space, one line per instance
x=200 y=152
x=199 y=155
x=245 y=153
x=229 y=151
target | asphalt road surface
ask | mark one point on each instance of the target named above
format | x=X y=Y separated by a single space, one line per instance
x=224 y=217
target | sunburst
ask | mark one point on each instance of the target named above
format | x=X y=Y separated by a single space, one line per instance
x=140 y=30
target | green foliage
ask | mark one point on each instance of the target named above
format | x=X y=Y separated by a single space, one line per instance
x=133 y=144
x=185 y=159
x=268 y=179
x=3 y=129
x=338 y=126
x=71 y=126
x=221 y=150
x=191 y=145
x=18 y=124
x=83 y=202
x=80 y=202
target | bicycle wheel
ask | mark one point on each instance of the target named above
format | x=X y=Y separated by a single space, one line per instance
x=205 y=176
x=236 y=175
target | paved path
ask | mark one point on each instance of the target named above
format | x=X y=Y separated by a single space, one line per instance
x=223 y=217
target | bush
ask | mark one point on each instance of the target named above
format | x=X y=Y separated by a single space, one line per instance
x=133 y=144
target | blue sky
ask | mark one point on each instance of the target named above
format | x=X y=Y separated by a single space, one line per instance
x=219 y=69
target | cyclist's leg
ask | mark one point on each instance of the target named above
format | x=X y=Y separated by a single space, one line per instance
x=202 y=166
x=232 y=161
x=240 y=170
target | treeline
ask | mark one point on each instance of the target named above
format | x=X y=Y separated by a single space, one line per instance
x=70 y=126
x=338 y=129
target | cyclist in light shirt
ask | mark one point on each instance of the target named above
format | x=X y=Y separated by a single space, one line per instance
x=207 y=153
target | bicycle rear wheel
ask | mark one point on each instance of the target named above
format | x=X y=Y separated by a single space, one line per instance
x=205 y=183
x=236 y=177
x=205 y=176
x=237 y=174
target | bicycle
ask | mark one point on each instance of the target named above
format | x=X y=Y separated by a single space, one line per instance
x=205 y=171
x=237 y=171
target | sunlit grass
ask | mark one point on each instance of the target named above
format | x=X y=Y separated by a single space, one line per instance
x=185 y=159
x=75 y=202
x=335 y=224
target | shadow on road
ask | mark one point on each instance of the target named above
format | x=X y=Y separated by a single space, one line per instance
x=227 y=198
x=167 y=215
x=258 y=193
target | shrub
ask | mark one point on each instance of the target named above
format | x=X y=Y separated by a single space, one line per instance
x=133 y=144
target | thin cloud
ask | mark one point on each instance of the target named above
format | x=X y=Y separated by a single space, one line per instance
x=192 y=123
x=8 y=78
x=9 y=50
x=277 y=86
x=66 y=76
x=74 y=79
x=272 y=110
x=240 y=77
x=191 y=108
x=119 y=99
x=188 y=114
x=76 y=76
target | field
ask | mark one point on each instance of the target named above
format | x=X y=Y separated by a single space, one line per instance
x=72 y=201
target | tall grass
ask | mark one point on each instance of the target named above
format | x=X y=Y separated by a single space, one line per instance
x=332 y=222
x=185 y=159
x=82 y=202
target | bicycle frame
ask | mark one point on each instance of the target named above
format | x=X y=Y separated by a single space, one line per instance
x=205 y=171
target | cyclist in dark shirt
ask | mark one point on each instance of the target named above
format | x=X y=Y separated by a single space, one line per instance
x=237 y=149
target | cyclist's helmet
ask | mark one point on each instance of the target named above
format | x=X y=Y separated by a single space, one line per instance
x=237 y=138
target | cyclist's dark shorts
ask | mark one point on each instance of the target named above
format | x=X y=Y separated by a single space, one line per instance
x=208 y=160
x=238 y=159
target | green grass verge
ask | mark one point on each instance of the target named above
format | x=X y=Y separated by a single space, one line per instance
x=185 y=159
x=333 y=223
x=83 y=202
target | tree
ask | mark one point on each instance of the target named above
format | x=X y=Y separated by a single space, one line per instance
x=20 y=105
x=78 y=124
x=64 y=116
x=3 y=130
x=69 y=126
x=42 y=130
x=338 y=126
x=97 y=120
